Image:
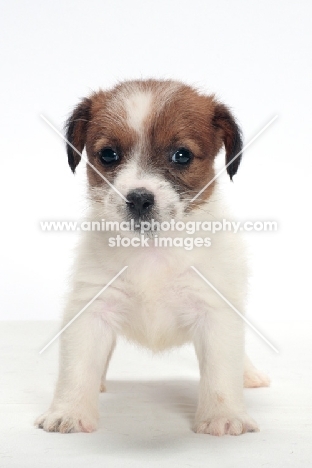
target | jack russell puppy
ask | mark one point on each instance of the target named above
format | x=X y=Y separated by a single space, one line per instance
x=151 y=146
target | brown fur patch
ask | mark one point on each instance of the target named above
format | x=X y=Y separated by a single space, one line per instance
x=185 y=121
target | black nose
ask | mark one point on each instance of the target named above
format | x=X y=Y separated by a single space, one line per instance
x=140 y=201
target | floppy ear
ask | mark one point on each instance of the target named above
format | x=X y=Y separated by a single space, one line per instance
x=231 y=136
x=76 y=130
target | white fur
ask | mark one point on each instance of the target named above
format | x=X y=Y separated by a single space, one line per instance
x=138 y=106
x=158 y=302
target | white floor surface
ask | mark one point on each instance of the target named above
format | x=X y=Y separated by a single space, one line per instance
x=147 y=412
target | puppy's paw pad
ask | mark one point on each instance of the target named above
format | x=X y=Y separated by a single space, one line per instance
x=222 y=425
x=254 y=378
x=65 y=422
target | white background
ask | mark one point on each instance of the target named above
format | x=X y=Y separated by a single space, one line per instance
x=255 y=55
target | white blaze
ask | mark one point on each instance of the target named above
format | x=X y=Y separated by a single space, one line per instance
x=138 y=106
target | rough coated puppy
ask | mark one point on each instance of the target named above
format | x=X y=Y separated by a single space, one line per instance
x=156 y=142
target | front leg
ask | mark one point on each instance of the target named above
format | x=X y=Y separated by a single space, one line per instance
x=219 y=345
x=85 y=347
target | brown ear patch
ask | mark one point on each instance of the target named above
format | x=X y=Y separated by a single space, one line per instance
x=231 y=136
x=76 y=131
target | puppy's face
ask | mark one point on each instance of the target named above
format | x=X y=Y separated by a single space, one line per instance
x=155 y=141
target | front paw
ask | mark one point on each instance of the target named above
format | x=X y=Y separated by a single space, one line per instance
x=221 y=425
x=66 y=420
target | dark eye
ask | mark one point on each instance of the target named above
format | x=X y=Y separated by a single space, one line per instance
x=108 y=156
x=182 y=156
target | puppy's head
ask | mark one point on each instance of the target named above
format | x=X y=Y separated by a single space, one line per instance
x=153 y=141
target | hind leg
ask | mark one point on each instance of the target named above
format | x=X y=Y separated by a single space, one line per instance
x=253 y=377
x=103 y=378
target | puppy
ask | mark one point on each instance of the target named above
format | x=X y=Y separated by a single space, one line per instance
x=155 y=143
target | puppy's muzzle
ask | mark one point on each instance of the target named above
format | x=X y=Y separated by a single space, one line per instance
x=140 y=202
